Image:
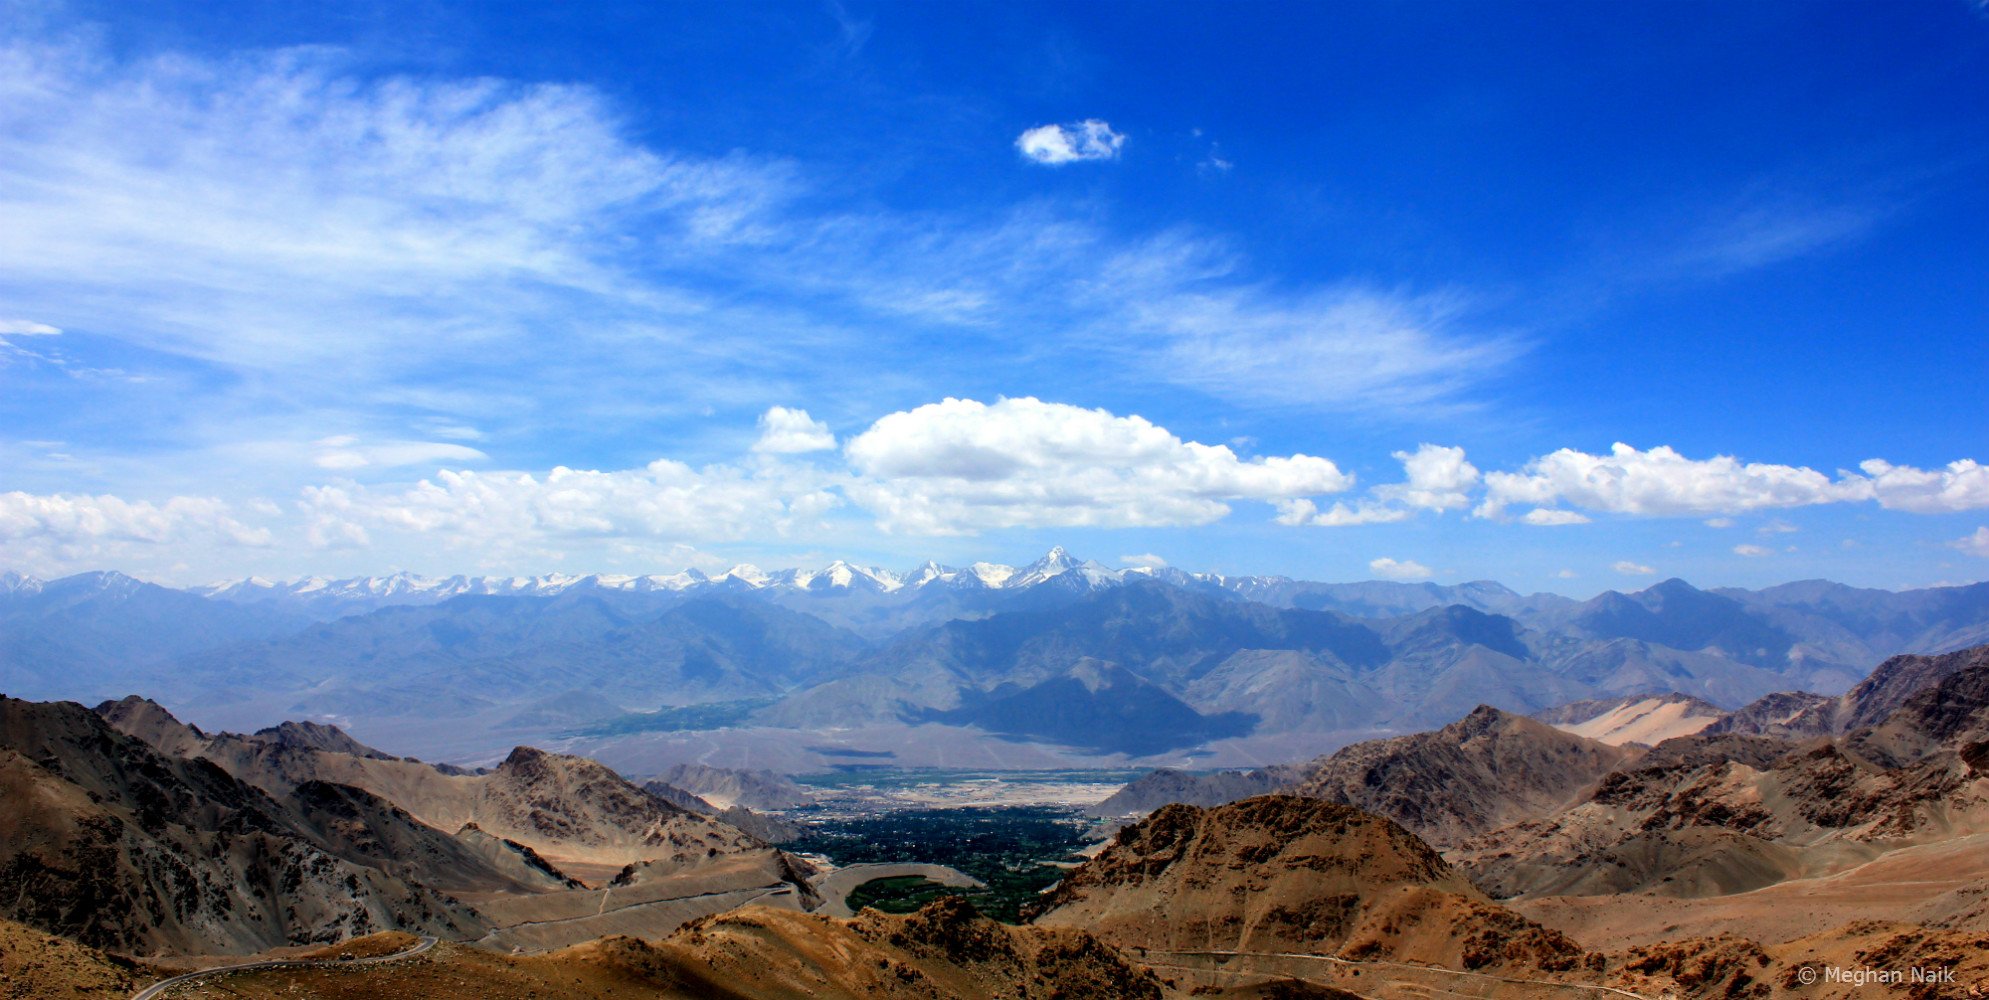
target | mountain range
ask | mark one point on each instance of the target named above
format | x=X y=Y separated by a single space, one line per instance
x=1499 y=848
x=1082 y=662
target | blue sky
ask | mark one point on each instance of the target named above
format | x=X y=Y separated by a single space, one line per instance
x=1332 y=291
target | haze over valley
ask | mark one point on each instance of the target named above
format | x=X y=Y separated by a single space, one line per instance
x=1060 y=663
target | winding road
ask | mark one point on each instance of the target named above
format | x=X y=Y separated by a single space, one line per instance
x=159 y=989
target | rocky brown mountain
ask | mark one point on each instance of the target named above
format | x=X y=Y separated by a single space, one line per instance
x=1475 y=775
x=1282 y=873
x=562 y=808
x=112 y=843
x=1720 y=813
x=1158 y=788
x=722 y=786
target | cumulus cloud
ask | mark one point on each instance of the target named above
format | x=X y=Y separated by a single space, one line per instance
x=1752 y=551
x=1145 y=560
x=1976 y=544
x=1301 y=511
x=1662 y=482
x=1406 y=569
x=70 y=530
x=1075 y=142
x=1437 y=478
x=789 y=432
x=1629 y=568
x=962 y=466
x=1963 y=485
x=663 y=500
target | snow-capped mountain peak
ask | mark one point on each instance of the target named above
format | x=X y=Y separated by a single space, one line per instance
x=15 y=583
x=1055 y=562
x=992 y=574
x=746 y=573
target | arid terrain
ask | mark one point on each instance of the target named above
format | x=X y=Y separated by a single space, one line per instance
x=1845 y=839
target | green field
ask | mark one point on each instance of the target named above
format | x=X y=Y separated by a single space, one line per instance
x=1007 y=848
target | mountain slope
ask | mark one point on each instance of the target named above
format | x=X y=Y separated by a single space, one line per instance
x=1721 y=813
x=566 y=809
x=118 y=846
x=1482 y=772
x=1645 y=719
x=1281 y=873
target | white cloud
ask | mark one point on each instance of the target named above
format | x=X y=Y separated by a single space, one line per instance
x=345 y=453
x=1145 y=561
x=1752 y=551
x=1300 y=511
x=1075 y=142
x=1976 y=544
x=26 y=328
x=1719 y=522
x=1963 y=485
x=1777 y=527
x=788 y=432
x=1340 y=349
x=1567 y=574
x=1437 y=478
x=1434 y=478
x=1662 y=482
x=279 y=211
x=1629 y=568
x=508 y=512
x=962 y=466
x=1551 y=517
x=61 y=531
x=1407 y=569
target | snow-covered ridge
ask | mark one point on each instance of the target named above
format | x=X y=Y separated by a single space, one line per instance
x=838 y=576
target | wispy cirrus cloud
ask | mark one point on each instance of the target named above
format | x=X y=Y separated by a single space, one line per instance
x=1762 y=233
x=329 y=247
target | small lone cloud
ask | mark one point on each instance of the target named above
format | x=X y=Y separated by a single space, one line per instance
x=1752 y=551
x=1407 y=569
x=1055 y=145
x=1628 y=568
x=1567 y=574
x=1549 y=517
x=1145 y=560
x=26 y=328
x=1719 y=522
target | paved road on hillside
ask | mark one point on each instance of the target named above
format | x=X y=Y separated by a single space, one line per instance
x=159 y=989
